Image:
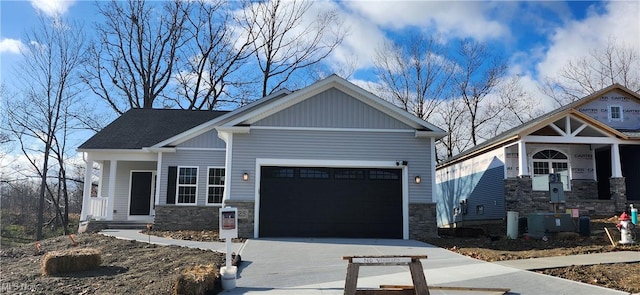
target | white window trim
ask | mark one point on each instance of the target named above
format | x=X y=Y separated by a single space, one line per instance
x=215 y=185
x=565 y=184
x=609 y=113
x=178 y=185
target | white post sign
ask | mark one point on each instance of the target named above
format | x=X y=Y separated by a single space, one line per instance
x=228 y=229
x=228 y=223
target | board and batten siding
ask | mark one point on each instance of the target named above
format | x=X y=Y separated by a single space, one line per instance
x=479 y=181
x=331 y=146
x=332 y=109
x=191 y=158
x=208 y=139
x=123 y=183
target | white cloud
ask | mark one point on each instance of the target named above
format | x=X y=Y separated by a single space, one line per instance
x=52 y=7
x=11 y=46
x=460 y=19
x=359 y=45
x=619 y=21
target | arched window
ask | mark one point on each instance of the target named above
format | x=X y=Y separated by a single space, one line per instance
x=546 y=162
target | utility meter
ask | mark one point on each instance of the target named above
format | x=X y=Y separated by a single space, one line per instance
x=556 y=188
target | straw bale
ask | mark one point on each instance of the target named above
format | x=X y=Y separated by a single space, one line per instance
x=197 y=280
x=70 y=260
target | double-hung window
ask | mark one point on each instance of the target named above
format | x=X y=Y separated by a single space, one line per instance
x=187 y=185
x=615 y=113
x=215 y=186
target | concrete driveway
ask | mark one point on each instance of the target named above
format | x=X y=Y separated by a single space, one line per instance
x=314 y=266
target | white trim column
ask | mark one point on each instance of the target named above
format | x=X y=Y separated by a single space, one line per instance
x=523 y=168
x=227 y=137
x=86 y=193
x=113 y=167
x=434 y=199
x=616 y=168
x=158 y=176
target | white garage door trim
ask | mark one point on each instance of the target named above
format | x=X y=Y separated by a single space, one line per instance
x=332 y=164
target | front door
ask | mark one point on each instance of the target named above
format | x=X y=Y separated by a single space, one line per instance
x=141 y=193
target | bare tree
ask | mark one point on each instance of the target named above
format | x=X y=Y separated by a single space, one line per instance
x=451 y=116
x=479 y=72
x=4 y=137
x=415 y=74
x=616 y=63
x=38 y=117
x=288 y=38
x=134 y=57
x=514 y=106
x=211 y=58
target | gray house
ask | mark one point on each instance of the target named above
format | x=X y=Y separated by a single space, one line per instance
x=328 y=160
x=593 y=143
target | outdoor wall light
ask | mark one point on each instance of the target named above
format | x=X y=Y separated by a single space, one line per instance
x=418 y=179
x=245 y=176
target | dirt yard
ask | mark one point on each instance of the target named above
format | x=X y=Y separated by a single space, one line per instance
x=139 y=268
x=493 y=246
x=128 y=267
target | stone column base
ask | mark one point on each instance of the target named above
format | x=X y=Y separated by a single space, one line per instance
x=422 y=221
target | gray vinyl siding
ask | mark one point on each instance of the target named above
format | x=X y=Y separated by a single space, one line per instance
x=191 y=158
x=331 y=145
x=332 y=109
x=208 y=139
x=123 y=178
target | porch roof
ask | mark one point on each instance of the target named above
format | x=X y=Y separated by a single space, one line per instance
x=139 y=128
x=517 y=132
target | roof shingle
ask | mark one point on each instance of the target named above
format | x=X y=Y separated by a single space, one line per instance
x=139 y=128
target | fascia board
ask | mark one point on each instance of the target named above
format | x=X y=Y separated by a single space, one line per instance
x=428 y=134
x=234 y=129
x=111 y=151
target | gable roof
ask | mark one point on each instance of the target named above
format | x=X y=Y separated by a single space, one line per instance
x=140 y=128
x=252 y=114
x=268 y=105
x=526 y=128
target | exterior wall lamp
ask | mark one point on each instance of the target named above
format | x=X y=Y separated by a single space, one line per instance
x=245 y=176
x=418 y=179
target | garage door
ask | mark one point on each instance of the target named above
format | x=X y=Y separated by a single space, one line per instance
x=330 y=202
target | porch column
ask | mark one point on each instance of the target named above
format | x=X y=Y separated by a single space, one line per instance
x=113 y=166
x=523 y=169
x=616 y=168
x=227 y=137
x=158 y=177
x=86 y=193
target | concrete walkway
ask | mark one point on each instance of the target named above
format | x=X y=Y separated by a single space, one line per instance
x=134 y=234
x=569 y=260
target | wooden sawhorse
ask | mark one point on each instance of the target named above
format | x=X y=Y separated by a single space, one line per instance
x=413 y=261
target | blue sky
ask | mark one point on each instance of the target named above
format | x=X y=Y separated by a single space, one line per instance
x=537 y=37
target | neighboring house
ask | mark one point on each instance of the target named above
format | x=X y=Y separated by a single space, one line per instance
x=328 y=160
x=593 y=143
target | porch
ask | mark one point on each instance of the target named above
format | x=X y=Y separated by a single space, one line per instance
x=125 y=194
